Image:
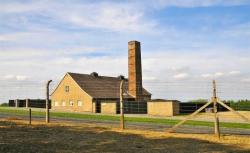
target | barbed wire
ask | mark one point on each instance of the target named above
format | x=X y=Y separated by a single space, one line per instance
x=191 y=88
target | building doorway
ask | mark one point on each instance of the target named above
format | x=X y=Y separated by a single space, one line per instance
x=98 y=106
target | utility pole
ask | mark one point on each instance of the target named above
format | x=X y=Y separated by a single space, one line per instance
x=121 y=106
x=215 y=110
x=47 y=101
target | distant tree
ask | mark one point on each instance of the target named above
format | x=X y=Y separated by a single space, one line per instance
x=4 y=104
x=240 y=105
x=198 y=101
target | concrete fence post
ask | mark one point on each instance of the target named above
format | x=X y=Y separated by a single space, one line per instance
x=215 y=110
x=47 y=101
x=121 y=106
x=16 y=103
x=27 y=103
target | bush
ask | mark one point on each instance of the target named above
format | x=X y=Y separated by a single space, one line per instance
x=241 y=105
x=198 y=101
x=4 y=104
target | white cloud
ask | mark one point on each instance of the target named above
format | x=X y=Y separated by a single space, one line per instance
x=196 y=3
x=218 y=74
x=247 y=80
x=179 y=66
x=15 y=77
x=21 y=7
x=9 y=76
x=15 y=53
x=207 y=75
x=48 y=47
x=148 y=78
x=21 y=77
x=63 y=61
x=213 y=76
x=111 y=16
x=234 y=73
x=181 y=76
x=239 y=30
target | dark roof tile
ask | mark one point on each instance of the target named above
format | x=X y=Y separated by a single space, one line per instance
x=102 y=86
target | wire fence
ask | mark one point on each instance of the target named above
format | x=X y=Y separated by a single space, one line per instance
x=173 y=102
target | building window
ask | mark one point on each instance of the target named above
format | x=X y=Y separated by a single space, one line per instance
x=66 y=88
x=63 y=103
x=56 y=103
x=71 y=103
x=79 y=103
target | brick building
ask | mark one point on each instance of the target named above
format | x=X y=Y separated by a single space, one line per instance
x=101 y=94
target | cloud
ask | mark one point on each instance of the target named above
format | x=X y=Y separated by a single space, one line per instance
x=164 y=78
x=16 y=53
x=43 y=40
x=9 y=76
x=214 y=75
x=207 y=75
x=15 y=77
x=181 y=76
x=247 y=80
x=196 y=3
x=219 y=74
x=234 y=73
x=109 y=16
x=239 y=30
x=148 y=78
x=21 y=77
x=22 y=7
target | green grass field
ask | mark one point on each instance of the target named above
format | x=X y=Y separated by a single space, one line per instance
x=39 y=113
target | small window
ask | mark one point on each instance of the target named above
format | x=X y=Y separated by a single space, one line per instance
x=79 y=103
x=63 y=103
x=71 y=103
x=66 y=88
x=56 y=103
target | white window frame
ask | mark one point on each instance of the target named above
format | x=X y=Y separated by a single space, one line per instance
x=64 y=103
x=71 y=103
x=79 y=103
x=56 y=103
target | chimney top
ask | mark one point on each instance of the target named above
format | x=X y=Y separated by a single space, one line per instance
x=121 y=77
x=94 y=74
x=133 y=42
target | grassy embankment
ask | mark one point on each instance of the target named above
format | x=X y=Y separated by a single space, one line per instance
x=39 y=113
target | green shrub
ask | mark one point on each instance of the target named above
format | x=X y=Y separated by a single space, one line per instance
x=240 y=105
x=197 y=101
x=4 y=104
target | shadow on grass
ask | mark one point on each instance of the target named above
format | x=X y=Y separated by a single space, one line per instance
x=40 y=138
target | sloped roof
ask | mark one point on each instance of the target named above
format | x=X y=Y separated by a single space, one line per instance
x=102 y=86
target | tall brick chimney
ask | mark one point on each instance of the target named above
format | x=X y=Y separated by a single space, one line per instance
x=135 y=70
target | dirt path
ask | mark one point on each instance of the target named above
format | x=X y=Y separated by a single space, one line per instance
x=69 y=137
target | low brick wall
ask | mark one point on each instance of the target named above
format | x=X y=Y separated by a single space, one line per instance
x=163 y=108
x=108 y=107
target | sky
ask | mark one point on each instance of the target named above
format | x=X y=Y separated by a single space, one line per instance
x=185 y=44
